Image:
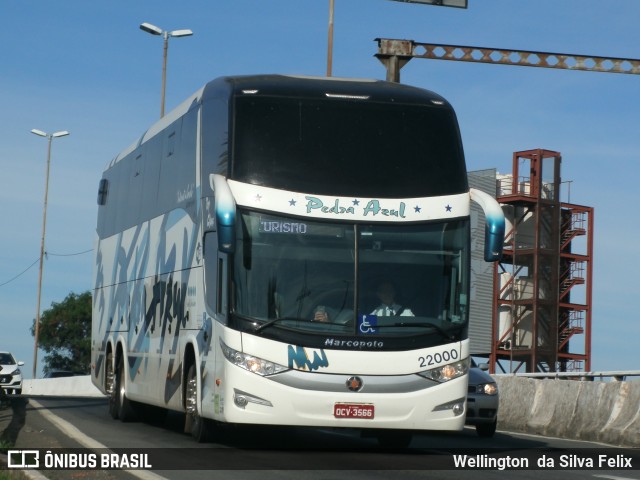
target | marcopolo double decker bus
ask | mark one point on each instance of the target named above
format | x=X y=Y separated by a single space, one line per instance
x=290 y=251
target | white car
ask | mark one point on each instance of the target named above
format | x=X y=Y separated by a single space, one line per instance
x=10 y=374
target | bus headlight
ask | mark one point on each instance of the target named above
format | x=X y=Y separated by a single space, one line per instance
x=251 y=363
x=447 y=372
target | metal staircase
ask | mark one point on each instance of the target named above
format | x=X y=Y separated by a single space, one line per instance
x=542 y=287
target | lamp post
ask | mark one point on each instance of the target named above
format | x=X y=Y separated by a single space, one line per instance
x=49 y=137
x=153 y=30
x=330 y=40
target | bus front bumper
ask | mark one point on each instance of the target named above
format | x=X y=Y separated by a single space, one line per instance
x=381 y=402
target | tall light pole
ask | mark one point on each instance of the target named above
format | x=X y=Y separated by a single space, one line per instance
x=330 y=41
x=49 y=137
x=153 y=30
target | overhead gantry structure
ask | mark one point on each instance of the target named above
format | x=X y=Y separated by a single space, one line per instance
x=395 y=54
x=547 y=317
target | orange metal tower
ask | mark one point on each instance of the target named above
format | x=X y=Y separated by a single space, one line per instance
x=542 y=286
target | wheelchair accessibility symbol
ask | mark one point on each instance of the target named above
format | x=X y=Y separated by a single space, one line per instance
x=368 y=324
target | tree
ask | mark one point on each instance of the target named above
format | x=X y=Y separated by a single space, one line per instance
x=65 y=334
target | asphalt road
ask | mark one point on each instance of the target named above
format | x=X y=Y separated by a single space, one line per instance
x=276 y=452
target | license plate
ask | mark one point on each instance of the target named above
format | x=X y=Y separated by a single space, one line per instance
x=353 y=410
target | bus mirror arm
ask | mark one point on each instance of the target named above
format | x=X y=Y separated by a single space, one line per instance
x=225 y=213
x=494 y=227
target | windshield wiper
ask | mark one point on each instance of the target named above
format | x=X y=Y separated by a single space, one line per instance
x=259 y=328
x=444 y=333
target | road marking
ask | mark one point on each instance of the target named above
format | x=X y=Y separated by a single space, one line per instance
x=85 y=440
x=611 y=477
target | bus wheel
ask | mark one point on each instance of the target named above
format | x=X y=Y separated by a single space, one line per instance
x=119 y=405
x=199 y=428
x=109 y=386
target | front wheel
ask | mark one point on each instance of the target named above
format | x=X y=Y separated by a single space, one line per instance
x=487 y=429
x=199 y=428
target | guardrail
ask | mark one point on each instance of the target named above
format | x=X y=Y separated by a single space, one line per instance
x=79 y=386
x=616 y=375
x=547 y=404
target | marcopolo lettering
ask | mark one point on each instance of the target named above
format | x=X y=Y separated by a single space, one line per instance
x=337 y=343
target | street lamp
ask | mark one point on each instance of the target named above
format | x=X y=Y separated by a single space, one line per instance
x=330 y=42
x=153 y=30
x=49 y=137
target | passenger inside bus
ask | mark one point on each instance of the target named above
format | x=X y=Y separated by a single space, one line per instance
x=328 y=314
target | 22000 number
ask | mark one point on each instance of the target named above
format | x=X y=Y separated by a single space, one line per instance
x=437 y=358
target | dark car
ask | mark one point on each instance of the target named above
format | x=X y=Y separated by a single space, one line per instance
x=482 y=401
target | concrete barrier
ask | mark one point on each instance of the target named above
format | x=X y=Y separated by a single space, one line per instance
x=594 y=411
x=79 y=386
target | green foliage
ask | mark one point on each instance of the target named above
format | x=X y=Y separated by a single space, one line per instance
x=65 y=334
x=12 y=474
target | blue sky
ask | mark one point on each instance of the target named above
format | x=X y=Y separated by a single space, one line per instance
x=86 y=67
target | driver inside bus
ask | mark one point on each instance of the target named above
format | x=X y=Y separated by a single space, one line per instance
x=386 y=293
x=388 y=307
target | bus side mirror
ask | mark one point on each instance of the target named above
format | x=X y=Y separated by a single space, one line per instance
x=225 y=211
x=494 y=227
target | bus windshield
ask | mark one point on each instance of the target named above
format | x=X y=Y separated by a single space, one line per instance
x=352 y=279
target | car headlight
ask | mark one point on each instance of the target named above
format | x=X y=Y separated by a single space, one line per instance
x=251 y=363
x=447 y=372
x=487 y=388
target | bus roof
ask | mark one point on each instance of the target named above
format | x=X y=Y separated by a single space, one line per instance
x=290 y=86
x=303 y=86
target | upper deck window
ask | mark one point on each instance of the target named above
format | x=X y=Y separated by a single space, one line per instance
x=347 y=147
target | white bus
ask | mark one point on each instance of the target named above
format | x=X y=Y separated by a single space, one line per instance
x=244 y=243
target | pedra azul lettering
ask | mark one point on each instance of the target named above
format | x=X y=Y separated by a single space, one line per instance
x=373 y=208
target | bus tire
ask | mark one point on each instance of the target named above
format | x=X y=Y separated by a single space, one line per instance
x=200 y=428
x=119 y=405
x=109 y=386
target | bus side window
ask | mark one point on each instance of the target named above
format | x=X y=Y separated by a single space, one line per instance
x=222 y=285
x=211 y=271
x=215 y=277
